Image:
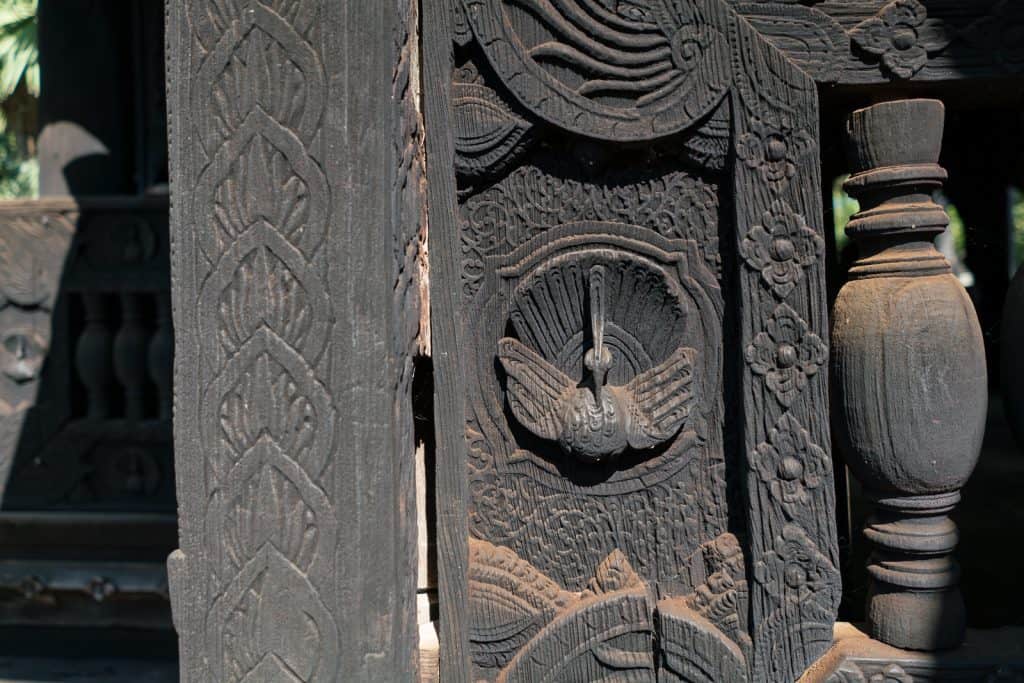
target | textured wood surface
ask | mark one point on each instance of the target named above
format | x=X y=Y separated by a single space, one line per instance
x=630 y=339
x=910 y=376
x=296 y=223
x=446 y=321
x=871 y=42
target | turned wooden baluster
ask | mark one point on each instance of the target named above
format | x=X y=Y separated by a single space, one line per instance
x=909 y=370
x=160 y=355
x=130 y=350
x=94 y=355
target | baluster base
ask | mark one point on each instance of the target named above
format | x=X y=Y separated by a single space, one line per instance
x=914 y=601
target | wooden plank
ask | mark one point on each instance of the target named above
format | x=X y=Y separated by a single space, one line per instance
x=295 y=223
x=446 y=342
x=874 y=42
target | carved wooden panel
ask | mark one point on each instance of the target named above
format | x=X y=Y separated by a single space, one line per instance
x=295 y=224
x=630 y=324
x=33 y=246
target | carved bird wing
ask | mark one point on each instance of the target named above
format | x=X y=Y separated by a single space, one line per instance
x=536 y=388
x=659 y=400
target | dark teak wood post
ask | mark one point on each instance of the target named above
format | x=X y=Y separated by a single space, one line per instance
x=909 y=367
x=295 y=226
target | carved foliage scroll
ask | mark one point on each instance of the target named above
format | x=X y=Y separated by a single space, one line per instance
x=596 y=295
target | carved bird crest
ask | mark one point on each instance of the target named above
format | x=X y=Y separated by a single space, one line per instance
x=592 y=420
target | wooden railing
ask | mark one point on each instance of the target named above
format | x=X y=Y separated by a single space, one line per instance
x=85 y=412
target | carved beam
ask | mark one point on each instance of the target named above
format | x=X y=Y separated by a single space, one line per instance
x=909 y=368
x=873 y=42
x=295 y=223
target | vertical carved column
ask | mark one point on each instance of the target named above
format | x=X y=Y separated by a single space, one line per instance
x=130 y=346
x=295 y=229
x=909 y=367
x=93 y=355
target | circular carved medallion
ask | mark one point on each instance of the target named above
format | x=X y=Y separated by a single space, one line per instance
x=606 y=68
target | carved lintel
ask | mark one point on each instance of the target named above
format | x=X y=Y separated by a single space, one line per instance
x=902 y=37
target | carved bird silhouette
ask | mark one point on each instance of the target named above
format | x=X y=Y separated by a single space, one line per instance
x=591 y=420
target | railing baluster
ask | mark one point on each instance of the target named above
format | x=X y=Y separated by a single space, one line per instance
x=909 y=366
x=160 y=355
x=93 y=355
x=130 y=347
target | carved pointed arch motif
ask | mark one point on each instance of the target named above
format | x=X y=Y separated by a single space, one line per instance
x=272 y=538
x=673 y=160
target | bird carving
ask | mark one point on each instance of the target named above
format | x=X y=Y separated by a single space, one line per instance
x=591 y=419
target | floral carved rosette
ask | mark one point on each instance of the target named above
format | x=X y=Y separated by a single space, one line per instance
x=790 y=464
x=781 y=248
x=902 y=36
x=796 y=571
x=786 y=354
x=773 y=150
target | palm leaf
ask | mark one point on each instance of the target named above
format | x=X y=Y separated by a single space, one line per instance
x=19 y=53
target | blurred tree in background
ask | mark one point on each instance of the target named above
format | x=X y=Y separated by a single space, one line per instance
x=844 y=206
x=19 y=98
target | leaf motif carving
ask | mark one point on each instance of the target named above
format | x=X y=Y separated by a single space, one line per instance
x=270 y=621
x=264 y=291
x=257 y=89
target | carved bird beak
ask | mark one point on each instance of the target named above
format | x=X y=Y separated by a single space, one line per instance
x=598 y=360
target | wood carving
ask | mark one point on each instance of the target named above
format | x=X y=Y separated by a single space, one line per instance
x=282 y=574
x=902 y=37
x=651 y=257
x=33 y=246
x=594 y=422
x=910 y=377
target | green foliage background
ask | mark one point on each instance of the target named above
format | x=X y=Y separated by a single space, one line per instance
x=19 y=93
x=844 y=206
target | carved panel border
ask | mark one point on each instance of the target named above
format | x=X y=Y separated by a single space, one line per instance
x=771 y=102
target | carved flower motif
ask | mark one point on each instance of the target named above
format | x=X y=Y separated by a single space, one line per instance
x=781 y=247
x=796 y=571
x=903 y=36
x=786 y=354
x=773 y=150
x=790 y=464
x=893 y=673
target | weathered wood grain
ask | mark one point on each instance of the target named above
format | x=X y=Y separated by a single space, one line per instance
x=296 y=222
x=446 y=322
x=635 y=408
x=910 y=377
x=895 y=40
